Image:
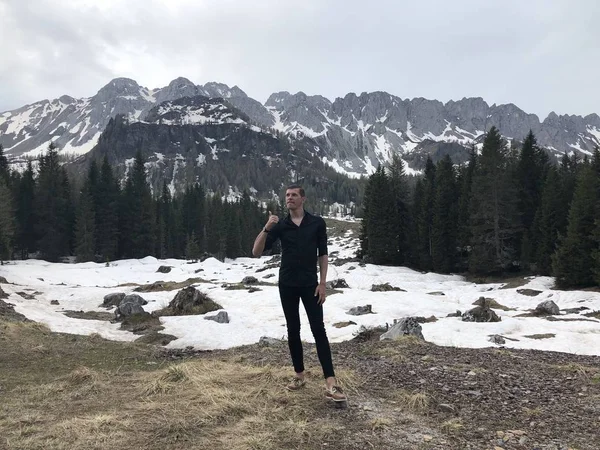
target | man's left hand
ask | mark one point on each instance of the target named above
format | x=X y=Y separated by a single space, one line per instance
x=320 y=293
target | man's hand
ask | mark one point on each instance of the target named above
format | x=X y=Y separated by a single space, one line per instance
x=320 y=293
x=271 y=222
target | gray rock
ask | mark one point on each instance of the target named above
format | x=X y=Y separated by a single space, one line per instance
x=385 y=287
x=133 y=298
x=529 y=292
x=266 y=341
x=221 y=317
x=497 y=339
x=340 y=283
x=547 y=308
x=189 y=300
x=164 y=269
x=128 y=309
x=360 y=310
x=458 y=313
x=408 y=326
x=250 y=280
x=54 y=302
x=480 y=314
x=113 y=299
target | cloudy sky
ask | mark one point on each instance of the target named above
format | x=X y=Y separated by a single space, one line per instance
x=542 y=55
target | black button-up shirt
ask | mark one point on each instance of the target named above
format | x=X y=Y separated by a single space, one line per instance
x=299 y=247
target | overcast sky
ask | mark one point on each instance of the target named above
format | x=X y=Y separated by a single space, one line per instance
x=542 y=55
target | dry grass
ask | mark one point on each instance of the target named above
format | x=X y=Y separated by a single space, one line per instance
x=580 y=370
x=412 y=402
x=89 y=393
x=452 y=426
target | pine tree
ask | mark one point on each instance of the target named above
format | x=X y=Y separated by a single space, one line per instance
x=106 y=201
x=573 y=263
x=400 y=215
x=85 y=225
x=4 y=171
x=25 y=213
x=423 y=210
x=445 y=218
x=548 y=222
x=465 y=182
x=494 y=219
x=7 y=222
x=192 y=251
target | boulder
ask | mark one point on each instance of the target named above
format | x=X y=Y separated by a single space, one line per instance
x=113 y=299
x=497 y=339
x=340 y=283
x=480 y=314
x=250 y=280
x=343 y=324
x=547 y=308
x=189 y=300
x=133 y=298
x=360 y=310
x=266 y=341
x=385 y=287
x=128 y=309
x=55 y=302
x=529 y=292
x=458 y=313
x=221 y=317
x=408 y=326
x=164 y=269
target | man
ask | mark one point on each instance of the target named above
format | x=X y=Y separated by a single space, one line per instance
x=302 y=235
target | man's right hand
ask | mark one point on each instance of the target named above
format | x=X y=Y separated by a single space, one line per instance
x=271 y=222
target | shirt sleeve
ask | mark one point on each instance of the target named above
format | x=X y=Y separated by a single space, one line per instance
x=322 y=238
x=272 y=236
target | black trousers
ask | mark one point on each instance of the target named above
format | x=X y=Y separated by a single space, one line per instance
x=290 y=301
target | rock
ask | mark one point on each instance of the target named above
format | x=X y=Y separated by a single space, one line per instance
x=575 y=310
x=344 y=324
x=480 y=314
x=497 y=339
x=408 y=326
x=266 y=341
x=360 y=310
x=385 y=287
x=340 y=283
x=490 y=303
x=455 y=314
x=128 y=309
x=164 y=269
x=133 y=298
x=189 y=300
x=274 y=259
x=429 y=319
x=198 y=270
x=446 y=407
x=113 y=299
x=270 y=275
x=435 y=293
x=529 y=292
x=221 y=317
x=3 y=280
x=547 y=308
x=55 y=302
x=250 y=280
x=254 y=289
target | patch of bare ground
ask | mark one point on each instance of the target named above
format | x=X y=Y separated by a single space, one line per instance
x=90 y=315
x=64 y=391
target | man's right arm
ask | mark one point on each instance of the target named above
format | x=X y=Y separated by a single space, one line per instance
x=261 y=239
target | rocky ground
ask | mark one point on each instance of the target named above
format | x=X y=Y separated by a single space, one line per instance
x=419 y=395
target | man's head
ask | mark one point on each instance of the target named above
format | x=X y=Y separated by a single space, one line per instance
x=295 y=197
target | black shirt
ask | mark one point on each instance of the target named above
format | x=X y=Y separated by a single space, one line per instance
x=299 y=246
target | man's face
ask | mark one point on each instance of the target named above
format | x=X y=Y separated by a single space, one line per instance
x=293 y=199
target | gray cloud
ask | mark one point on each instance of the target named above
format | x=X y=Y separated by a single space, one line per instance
x=542 y=55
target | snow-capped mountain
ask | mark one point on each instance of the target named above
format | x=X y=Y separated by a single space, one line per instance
x=352 y=134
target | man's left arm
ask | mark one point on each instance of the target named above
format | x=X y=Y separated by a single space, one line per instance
x=323 y=261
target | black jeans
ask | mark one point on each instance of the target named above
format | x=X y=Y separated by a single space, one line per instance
x=290 y=300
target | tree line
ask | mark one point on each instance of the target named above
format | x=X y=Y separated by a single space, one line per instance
x=507 y=210
x=43 y=215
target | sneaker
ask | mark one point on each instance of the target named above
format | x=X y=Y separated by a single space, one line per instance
x=336 y=394
x=296 y=383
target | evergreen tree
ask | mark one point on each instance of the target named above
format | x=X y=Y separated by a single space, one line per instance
x=7 y=222
x=423 y=210
x=106 y=201
x=192 y=251
x=547 y=223
x=465 y=182
x=85 y=224
x=53 y=207
x=137 y=213
x=445 y=218
x=573 y=264
x=234 y=231
x=400 y=214
x=25 y=213
x=494 y=220
x=4 y=171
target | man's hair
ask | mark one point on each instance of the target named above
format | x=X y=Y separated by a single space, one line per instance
x=297 y=186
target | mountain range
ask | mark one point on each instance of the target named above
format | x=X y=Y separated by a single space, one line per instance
x=352 y=134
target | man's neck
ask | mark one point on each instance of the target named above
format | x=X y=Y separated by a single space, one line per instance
x=297 y=213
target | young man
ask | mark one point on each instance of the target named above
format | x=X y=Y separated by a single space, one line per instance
x=302 y=235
